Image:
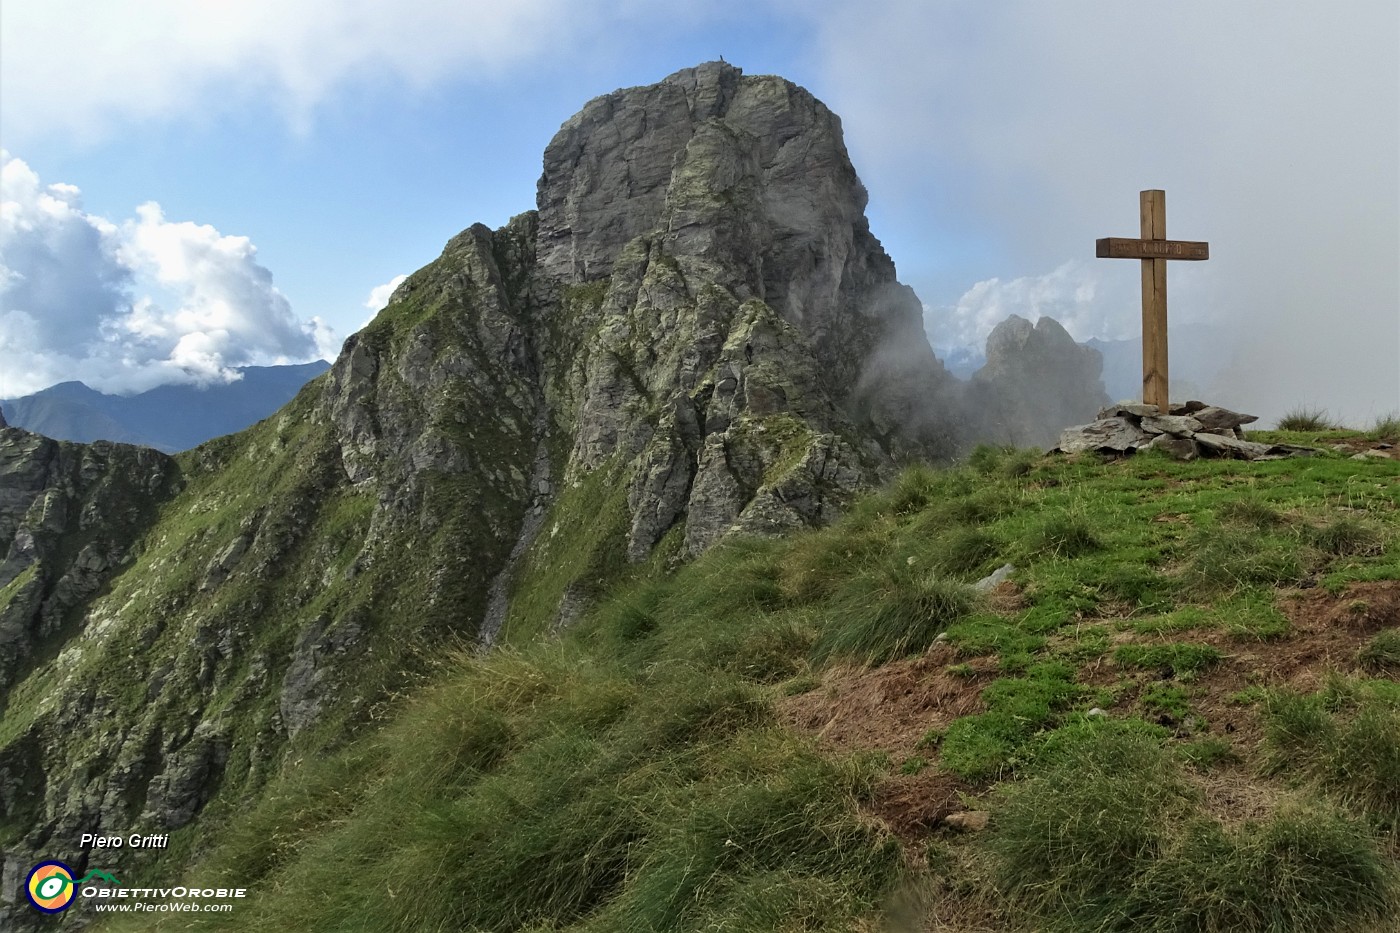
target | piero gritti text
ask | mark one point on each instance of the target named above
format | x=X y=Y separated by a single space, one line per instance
x=134 y=841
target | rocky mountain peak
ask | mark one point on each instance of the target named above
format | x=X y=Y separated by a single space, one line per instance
x=695 y=336
x=744 y=182
x=678 y=155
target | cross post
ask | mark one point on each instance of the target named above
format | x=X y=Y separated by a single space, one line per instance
x=1154 y=249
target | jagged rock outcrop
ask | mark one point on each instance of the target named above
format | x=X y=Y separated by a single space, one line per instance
x=1036 y=380
x=69 y=515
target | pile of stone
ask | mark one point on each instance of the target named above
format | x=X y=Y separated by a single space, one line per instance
x=1185 y=431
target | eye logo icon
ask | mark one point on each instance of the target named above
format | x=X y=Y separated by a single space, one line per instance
x=50 y=887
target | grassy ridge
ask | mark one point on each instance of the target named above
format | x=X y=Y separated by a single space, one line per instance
x=633 y=774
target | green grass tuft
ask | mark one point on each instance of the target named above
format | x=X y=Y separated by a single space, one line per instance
x=961 y=551
x=1381 y=655
x=914 y=765
x=1228 y=560
x=889 y=614
x=914 y=490
x=1305 y=870
x=1064 y=536
x=1347 y=537
x=1105 y=834
x=985 y=634
x=1207 y=753
x=1166 y=700
x=1072 y=836
x=1345 y=739
x=1177 y=658
x=1251 y=512
x=1305 y=418
x=988 y=744
x=1386 y=428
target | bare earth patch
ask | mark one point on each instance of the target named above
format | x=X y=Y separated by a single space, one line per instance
x=1360 y=445
x=912 y=805
x=889 y=708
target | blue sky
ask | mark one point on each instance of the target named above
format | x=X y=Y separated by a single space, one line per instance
x=303 y=154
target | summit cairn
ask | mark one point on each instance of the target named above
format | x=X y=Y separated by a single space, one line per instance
x=1186 y=431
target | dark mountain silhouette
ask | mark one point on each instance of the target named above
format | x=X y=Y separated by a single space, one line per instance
x=169 y=418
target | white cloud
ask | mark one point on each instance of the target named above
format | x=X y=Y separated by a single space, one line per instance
x=380 y=294
x=1068 y=293
x=77 y=67
x=1090 y=300
x=125 y=307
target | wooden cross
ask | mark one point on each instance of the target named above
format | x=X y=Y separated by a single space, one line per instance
x=1154 y=249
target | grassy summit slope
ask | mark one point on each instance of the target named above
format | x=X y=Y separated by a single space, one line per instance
x=1180 y=713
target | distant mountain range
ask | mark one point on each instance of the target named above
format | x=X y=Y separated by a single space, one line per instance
x=169 y=418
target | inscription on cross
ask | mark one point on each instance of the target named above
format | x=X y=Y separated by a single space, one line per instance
x=1154 y=249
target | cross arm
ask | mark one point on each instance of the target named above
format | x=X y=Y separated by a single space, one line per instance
x=1113 y=247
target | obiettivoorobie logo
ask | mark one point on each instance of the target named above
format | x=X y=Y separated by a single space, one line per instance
x=51 y=886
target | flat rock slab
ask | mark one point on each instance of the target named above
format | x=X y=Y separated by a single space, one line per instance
x=991 y=580
x=1230 y=446
x=1171 y=424
x=1216 y=419
x=1113 y=434
x=1128 y=409
x=1179 y=448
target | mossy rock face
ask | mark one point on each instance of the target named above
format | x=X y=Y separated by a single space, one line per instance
x=68 y=517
